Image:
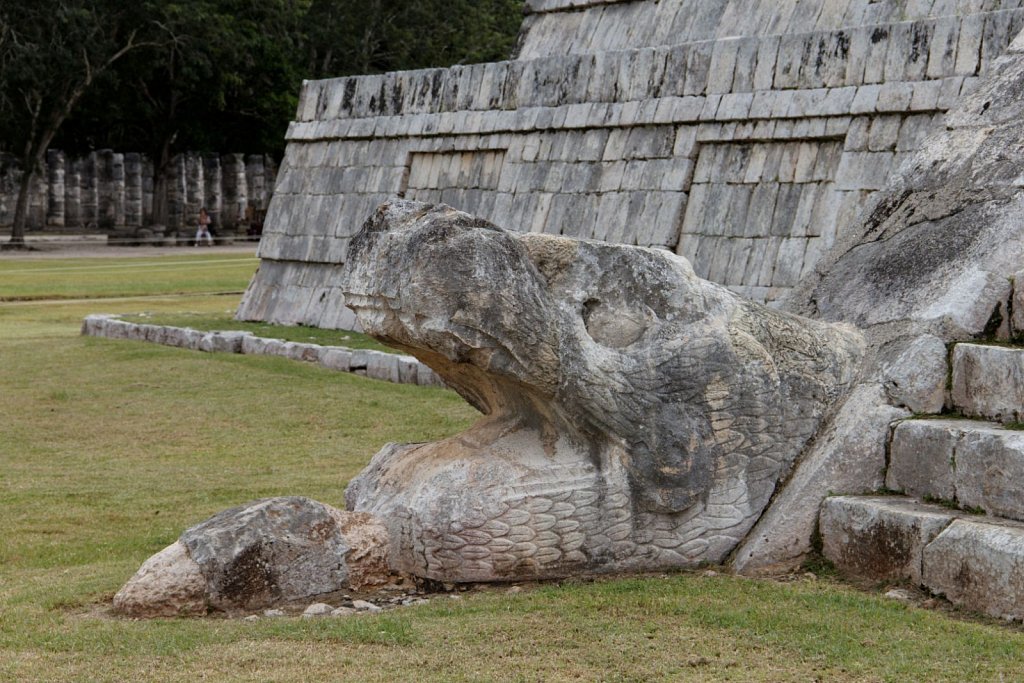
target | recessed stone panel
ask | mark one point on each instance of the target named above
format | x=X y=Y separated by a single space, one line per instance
x=765 y=199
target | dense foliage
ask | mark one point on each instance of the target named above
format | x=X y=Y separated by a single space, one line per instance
x=163 y=76
x=227 y=73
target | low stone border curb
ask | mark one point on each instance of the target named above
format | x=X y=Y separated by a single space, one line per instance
x=389 y=367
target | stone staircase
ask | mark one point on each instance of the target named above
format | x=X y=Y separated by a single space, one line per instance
x=958 y=527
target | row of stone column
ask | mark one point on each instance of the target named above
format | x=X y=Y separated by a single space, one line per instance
x=110 y=191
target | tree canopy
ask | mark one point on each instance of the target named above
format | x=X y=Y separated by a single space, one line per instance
x=52 y=52
x=226 y=75
x=164 y=76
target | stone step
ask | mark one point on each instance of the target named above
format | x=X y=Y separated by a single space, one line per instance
x=881 y=538
x=988 y=382
x=972 y=464
x=976 y=562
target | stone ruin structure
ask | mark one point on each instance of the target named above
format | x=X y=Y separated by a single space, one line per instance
x=738 y=134
x=113 y=193
x=857 y=165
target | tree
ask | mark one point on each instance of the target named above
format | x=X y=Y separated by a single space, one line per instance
x=373 y=36
x=166 y=76
x=51 y=54
x=225 y=78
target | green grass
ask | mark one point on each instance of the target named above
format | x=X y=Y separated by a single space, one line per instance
x=22 y=279
x=108 y=449
x=297 y=333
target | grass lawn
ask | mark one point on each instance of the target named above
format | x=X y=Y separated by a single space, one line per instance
x=109 y=449
x=67 y=278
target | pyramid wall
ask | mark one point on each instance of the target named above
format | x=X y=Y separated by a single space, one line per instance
x=742 y=135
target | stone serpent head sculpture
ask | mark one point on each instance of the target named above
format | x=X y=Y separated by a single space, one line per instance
x=634 y=416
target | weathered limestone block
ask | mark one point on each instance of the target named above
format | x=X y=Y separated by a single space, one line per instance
x=229 y=341
x=425 y=377
x=257 y=346
x=186 y=338
x=979 y=566
x=880 y=538
x=336 y=359
x=976 y=464
x=635 y=416
x=309 y=353
x=275 y=347
x=116 y=329
x=174 y=336
x=988 y=381
x=94 y=325
x=921 y=458
x=1017 y=313
x=989 y=471
x=916 y=377
x=271 y=551
x=382 y=366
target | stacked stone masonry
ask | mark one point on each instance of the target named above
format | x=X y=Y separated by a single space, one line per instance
x=581 y=26
x=958 y=529
x=113 y=192
x=973 y=561
x=745 y=142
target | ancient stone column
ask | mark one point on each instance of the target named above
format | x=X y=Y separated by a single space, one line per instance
x=111 y=190
x=147 y=190
x=104 y=209
x=176 y=194
x=55 y=212
x=117 y=194
x=270 y=177
x=256 y=181
x=37 y=202
x=8 y=189
x=133 y=190
x=235 y=198
x=90 y=195
x=196 y=196
x=73 y=193
x=212 y=181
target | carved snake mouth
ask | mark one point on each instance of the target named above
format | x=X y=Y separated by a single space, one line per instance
x=467 y=313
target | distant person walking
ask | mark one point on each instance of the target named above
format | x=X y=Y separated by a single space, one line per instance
x=203 y=228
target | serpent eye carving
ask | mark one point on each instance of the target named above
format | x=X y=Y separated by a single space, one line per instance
x=611 y=325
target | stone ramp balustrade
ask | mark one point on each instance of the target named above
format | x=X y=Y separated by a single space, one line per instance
x=388 y=367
